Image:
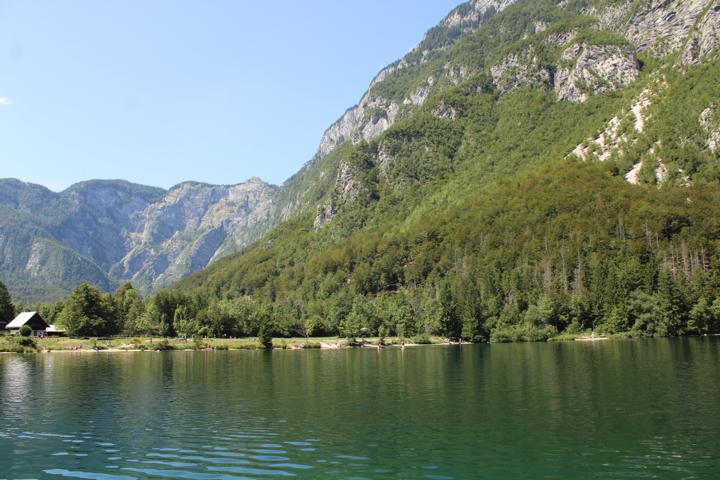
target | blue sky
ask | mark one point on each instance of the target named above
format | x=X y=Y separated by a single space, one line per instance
x=162 y=91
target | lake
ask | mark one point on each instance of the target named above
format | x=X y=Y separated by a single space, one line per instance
x=616 y=410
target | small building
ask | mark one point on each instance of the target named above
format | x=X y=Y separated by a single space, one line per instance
x=54 y=331
x=31 y=319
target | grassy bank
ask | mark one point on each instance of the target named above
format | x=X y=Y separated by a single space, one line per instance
x=9 y=344
x=63 y=344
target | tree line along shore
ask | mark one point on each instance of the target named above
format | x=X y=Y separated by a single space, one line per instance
x=455 y=311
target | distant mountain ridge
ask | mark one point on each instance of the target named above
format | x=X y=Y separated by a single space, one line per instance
x=111 y=231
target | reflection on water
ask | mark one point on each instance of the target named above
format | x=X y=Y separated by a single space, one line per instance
x=647 y=409
x=16 y=378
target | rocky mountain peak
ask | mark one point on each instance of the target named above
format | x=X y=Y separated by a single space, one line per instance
x=375 y=112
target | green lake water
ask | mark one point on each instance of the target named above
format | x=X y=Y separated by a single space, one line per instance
x=615 y=410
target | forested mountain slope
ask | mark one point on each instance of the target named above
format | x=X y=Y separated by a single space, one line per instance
x=554 y=169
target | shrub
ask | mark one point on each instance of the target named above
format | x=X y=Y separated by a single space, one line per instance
x=163 y=346
x=422 y=339
x=26 y=341
x=25 y=331
x=522 y=333
x=382 y=334
x=265 y=335
x=12 y=348
x=198 y=343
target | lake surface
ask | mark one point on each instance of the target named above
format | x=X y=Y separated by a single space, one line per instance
x=616 y=410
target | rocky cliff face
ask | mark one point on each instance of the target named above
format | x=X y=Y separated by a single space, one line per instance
x=520 y=69
x=376 y=111
x=704 y=40
x=659 y=27
x=107 y=232
x=581 y=70
x=711 y=126
x=95 y=210
x=592 y=69
x=190 y=227
x=662 y=26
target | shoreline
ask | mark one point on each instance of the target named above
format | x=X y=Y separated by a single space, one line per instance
x=154 y=344
x=329 y=347
x=141 y=344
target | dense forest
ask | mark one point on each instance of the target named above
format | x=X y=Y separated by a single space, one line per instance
x=579 y=250
x=472 y=218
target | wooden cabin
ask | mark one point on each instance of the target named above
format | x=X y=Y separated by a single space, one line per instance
x=31 y=319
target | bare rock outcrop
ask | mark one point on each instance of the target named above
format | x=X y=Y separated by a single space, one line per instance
x=468 y=18
x=712 y=128
x=190 y=227
x=445 y=111
x=584 y=70
x=633 y=176
x=593 y=69
x=362 y=122
x=663 y=26
x=520 y=69
x=325 y=215
x=614 y=138
x=659 y=27
x=347 y=190
x=705 y=38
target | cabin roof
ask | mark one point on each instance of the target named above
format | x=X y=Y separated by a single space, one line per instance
x=21 y=320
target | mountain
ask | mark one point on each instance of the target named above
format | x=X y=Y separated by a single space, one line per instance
x=191 y=226
x=107 y=232
x=391 y=97
x=533 y=167
x=393 y=94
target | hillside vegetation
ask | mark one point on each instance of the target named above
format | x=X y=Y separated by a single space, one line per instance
x=553 y=169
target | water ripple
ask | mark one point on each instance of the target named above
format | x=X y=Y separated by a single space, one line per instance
x=534 y=411
x=87 y=475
